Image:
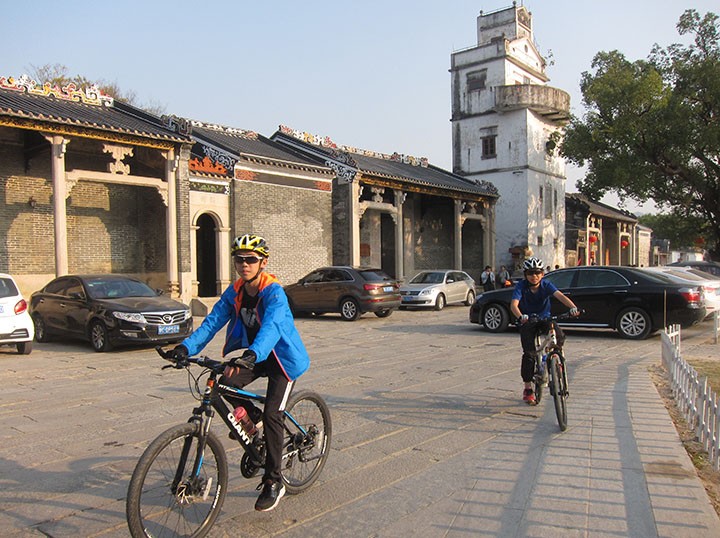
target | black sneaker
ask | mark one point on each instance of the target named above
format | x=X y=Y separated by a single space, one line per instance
x=270 y=495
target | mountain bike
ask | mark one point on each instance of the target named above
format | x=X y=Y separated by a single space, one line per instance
x=180 y=482
x=550 y=366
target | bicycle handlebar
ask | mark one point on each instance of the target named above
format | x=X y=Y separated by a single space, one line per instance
x=565 y=315
x=200 y=360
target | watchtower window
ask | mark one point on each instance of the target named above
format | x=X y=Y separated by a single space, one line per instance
x=476 y=80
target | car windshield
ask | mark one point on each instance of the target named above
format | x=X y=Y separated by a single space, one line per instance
x=7 y=288
x=428 y=278
x=373 y=275
x=115 y=288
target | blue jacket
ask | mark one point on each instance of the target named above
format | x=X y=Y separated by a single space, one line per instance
x=277 y=334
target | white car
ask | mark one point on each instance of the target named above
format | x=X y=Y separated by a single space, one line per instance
x=688 y=275
x=438 y=288
x=16 y=326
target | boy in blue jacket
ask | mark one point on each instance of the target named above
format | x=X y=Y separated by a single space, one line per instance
x=258 y=318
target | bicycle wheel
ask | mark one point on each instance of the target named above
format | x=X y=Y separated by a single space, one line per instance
x=538 y=381
x=164 y=499
x=304 y=454
x=558 y=388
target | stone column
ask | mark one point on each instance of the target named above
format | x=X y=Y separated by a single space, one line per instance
x=171 y=166
x=489 y=234
x=458 y=223
x=355 y=217
x=223 y=257
x=60 y=193
x=399 y=236
x=193 y=261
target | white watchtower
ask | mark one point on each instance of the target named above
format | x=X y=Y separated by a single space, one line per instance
x=503 y=116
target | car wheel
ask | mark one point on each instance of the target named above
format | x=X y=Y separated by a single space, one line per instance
x=495 y=318
x=440 y=302
x=41 y=334
x=470 y=299
x=99 y=337
x=383 y=313
x=349 y=309
x=24 y=348
x=633 y=323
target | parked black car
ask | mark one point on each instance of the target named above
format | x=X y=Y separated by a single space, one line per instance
x=629 y=300
x=708 y=266
x=107 y=310
x=351 y=291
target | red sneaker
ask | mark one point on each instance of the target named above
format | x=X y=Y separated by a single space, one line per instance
x=529 y=397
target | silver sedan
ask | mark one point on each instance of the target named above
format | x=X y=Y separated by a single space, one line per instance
x=438 y=288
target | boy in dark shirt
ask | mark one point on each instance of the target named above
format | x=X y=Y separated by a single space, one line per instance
x=532 y=296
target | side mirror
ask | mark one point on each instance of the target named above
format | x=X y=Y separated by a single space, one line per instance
x=80 y=296
x=159 y=291
x=450 y=280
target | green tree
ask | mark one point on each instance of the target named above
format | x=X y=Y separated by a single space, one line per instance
x=682 y=231
x=59 y=75
x=652 y=127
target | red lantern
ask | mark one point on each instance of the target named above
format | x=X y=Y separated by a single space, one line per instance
x=592 y=238
x=624 y=243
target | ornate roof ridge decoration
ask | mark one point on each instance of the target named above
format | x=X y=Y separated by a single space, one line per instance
x=250 y=135
x=207 y=165
x=92 y=95
x=326 y=142
x=177 y=124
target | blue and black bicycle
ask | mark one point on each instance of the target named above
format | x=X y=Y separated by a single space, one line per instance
x=180 y=482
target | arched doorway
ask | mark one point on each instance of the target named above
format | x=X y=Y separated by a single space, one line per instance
x=205 y=247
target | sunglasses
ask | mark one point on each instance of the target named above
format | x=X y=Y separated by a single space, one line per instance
x=534 y=272
x=247 y=259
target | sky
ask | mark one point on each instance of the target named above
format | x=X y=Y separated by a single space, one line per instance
x=370 y=74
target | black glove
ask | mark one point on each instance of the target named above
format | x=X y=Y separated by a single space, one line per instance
x=178 y=353
x=246 y=360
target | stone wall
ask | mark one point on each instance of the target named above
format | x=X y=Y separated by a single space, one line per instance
x=296 y=222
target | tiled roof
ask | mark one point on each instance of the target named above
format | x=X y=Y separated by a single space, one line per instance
x=601 y=209
x=376 y=164
x=245 y=143
x=117 y=117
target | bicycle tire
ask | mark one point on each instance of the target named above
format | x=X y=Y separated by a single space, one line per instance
x=538 y=381
x=304 y=455
x=558 y=389
x=152 y=509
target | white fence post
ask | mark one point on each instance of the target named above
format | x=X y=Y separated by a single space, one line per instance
x=695 y=400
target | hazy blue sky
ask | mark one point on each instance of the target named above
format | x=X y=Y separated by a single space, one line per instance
x=370 y=74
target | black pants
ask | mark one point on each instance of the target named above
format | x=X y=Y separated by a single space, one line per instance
x=278 y=392
x=528 y=331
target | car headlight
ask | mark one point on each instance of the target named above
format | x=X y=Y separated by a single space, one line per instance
x=133 y=317
x=426 y=291
x=188 y=315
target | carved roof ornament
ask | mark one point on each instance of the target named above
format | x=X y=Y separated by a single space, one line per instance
x=177 y=124
x=91 y=95
x=118 y=153
x=207 y=165
x=220 y=157
x=250 y=135
x=326 y=142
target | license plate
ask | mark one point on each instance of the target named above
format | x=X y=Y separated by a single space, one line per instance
x=168 y=329
x=388 y=288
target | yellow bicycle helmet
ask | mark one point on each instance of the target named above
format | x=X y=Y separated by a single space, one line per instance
x=252 y=242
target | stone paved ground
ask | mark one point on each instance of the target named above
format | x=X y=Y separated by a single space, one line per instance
x=429 y=438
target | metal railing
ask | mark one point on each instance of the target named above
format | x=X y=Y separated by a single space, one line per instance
x=693 y=396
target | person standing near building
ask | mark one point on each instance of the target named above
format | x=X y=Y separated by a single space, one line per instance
x=260 y=321
x=488 y=279
x=503 y=277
